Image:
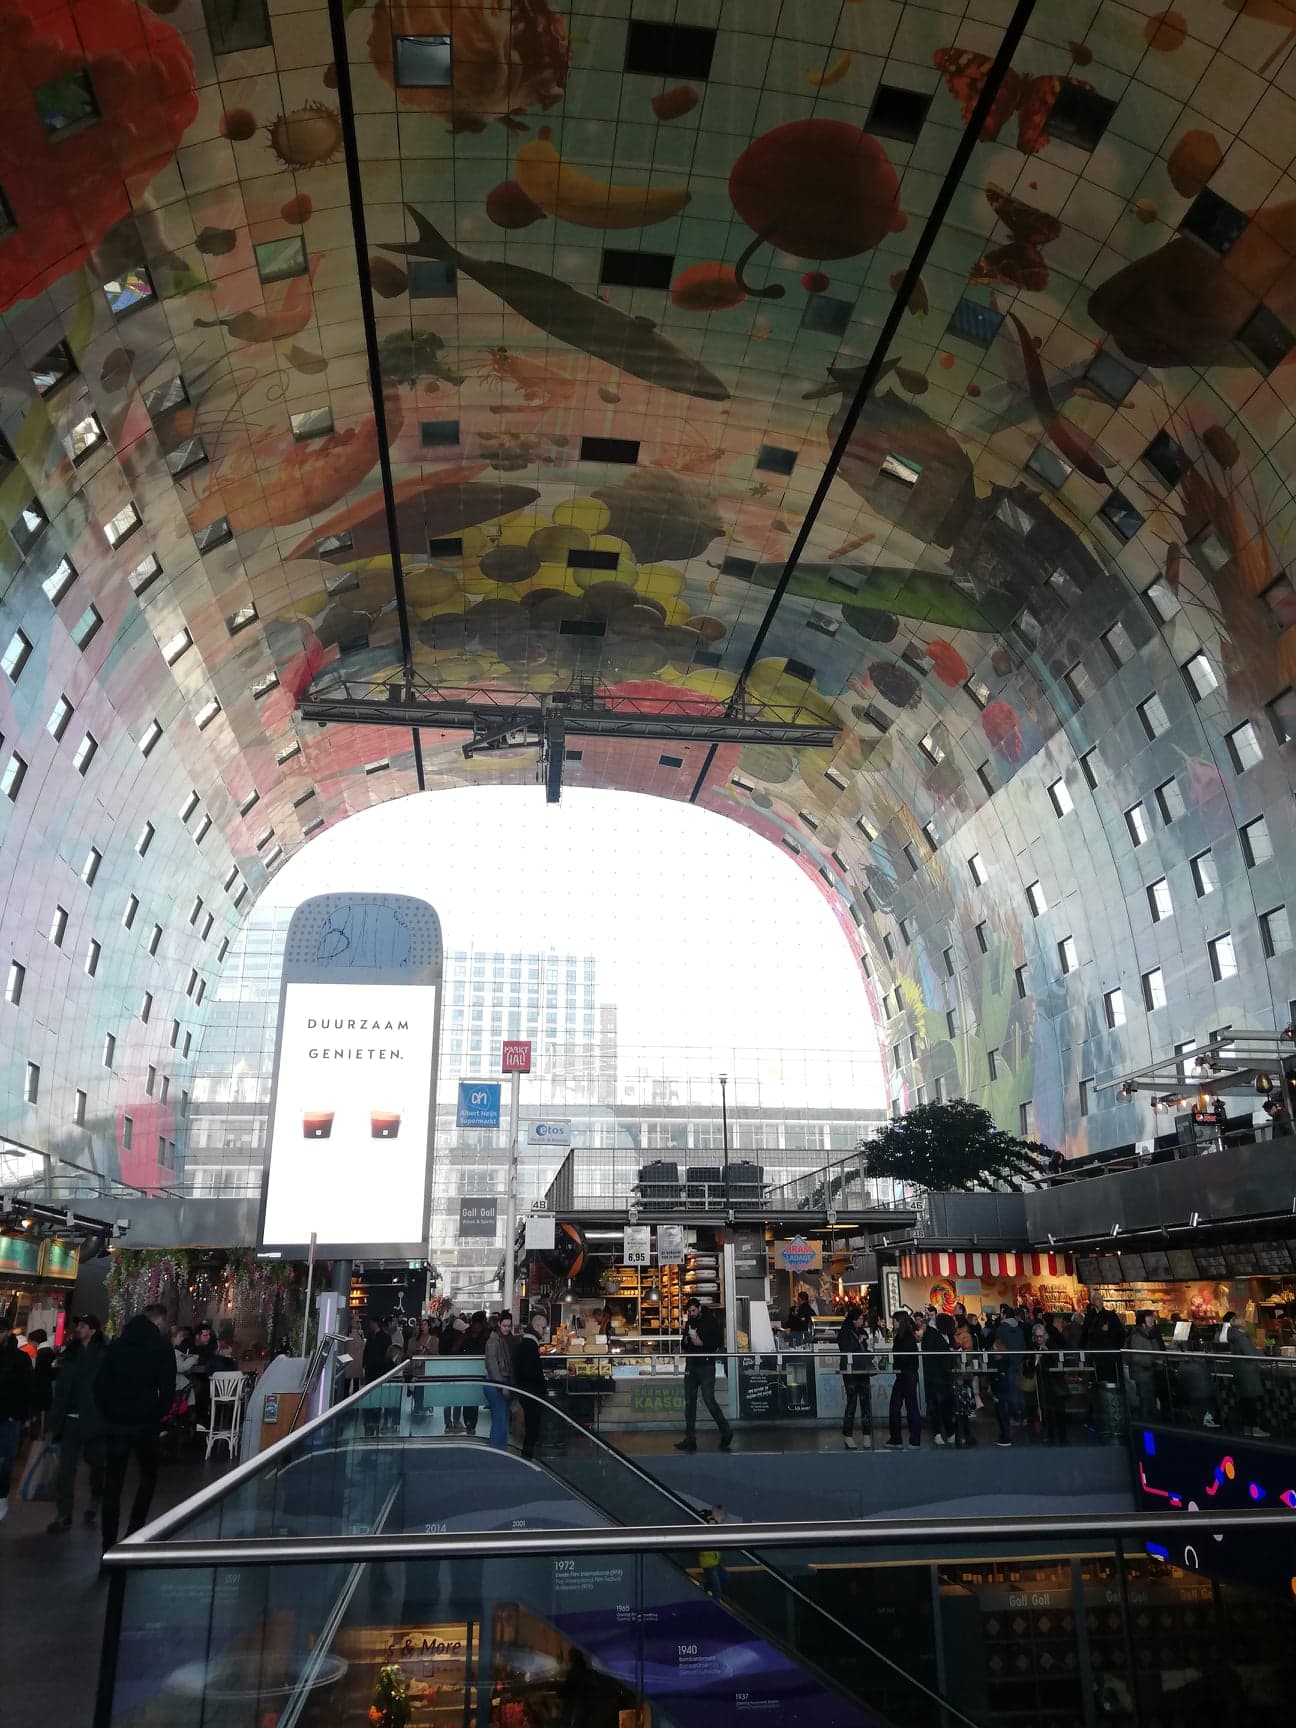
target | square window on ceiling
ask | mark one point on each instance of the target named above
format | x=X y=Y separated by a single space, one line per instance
x=1114 y=1009
x=435 y=434
x=430 y=279
x=53 y=369
x=897 y=113
x=1160 y=904
x=1036 y=900
x=83 y=438
x=86 y=627
x=1152 y=716
x=311 y=423
x=133 y=288
x=1154 y=990
x=975 y=322
x=235 y=26
x=1165 y=458
x=1060 y=798
x=215 y=534
x=176 y=645
x=16 y=655
x=625 y=269
x=85 y=753
x=144 y=575
x=1223 y=961
x=609 y=450
x=1275 y=932
x=801 y=670
x=1205 y=876
x=982 y=933
x=1162 y=601
x=204 y=716
x=1118 y=644
x=1257 y=844
x=1200 y=675
x=1079 y=116
x=423 y=63
x=1137 y=823
x=774 y=459
x=1266 y=339
x=60 y=716
x=669 y=50
x=827 y=314
x=1244 y=747
x=15 y=771
x=28 y=526
x=1281 y=714
x=900 y=468
x=1110 y=377
x=1211 y=219
x=277 y=260
x=1079 y=684
x=978 y=690
x=160 y=401
x=59 y=581
x=186 y=456
x=670 y=761
x=121 y=526
x=1049 y=467
x=1122 y=516
x=240 y=619
x=1170 y=801
x=67 y=103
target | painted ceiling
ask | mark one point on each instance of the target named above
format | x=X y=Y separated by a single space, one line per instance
x=922 y=369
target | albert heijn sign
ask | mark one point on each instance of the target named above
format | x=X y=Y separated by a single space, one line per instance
x=515 y=1058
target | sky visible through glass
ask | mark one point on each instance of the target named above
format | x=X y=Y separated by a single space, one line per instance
x=707 y=938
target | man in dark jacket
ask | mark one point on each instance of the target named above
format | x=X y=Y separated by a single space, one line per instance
x=529 y=1379
x=76 y=1424
x=15 y=1406
x=938 y=1378
x=1104 y=1334
x=134 y=1389
x=375 y=1364
x=701 y=1342
x=856 y=1365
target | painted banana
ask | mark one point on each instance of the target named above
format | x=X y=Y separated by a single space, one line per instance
x=832 y=74
x=561 y=190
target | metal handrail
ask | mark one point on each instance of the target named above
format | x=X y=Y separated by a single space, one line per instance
x=135 y=1553
x=216 y=1491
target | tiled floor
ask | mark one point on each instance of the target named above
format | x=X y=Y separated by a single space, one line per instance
x=54 y=1602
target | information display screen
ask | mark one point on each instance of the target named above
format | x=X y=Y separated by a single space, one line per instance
x=348 y=1152
x=1183 y=1263
x=1156 y=1262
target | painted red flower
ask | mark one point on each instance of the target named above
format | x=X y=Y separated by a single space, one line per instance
x=947 y=663
x=67 y=189
x=1003 y=729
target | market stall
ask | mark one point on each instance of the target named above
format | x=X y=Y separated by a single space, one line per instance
x=982 y=1279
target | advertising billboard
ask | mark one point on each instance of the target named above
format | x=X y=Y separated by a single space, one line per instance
x=353 y=1112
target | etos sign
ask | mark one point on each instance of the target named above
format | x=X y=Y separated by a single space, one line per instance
x=516 y=1058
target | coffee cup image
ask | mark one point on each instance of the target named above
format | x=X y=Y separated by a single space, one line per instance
x=317 y=1124
x=384 y=1124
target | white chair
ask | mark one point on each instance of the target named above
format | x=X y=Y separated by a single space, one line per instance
x=226 y=1421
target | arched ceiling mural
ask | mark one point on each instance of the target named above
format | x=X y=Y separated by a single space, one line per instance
x=926 y=375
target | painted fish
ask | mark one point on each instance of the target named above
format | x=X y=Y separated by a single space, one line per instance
x=632 y=344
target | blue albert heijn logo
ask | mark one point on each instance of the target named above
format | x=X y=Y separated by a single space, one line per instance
x=798 y=1254
x=479 y=1104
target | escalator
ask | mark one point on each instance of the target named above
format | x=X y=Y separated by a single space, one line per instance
x=712 y=1635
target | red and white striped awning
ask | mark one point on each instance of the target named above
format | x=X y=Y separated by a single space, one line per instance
x=980 y=1263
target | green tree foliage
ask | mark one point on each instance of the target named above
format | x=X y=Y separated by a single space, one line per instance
x=953 y=1146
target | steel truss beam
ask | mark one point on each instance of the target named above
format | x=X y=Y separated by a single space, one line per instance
x=514 y=719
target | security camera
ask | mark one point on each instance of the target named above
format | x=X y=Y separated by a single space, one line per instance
x=121 y=1226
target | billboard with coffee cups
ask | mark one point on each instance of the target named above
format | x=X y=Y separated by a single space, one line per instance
x=353 y=1109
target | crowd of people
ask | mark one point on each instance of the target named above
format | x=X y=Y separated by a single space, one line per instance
x=1021 y=1359
x=508 y=1357
x=103 y=1404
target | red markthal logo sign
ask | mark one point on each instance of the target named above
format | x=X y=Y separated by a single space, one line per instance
x=798 y=1254
x=516 y=1058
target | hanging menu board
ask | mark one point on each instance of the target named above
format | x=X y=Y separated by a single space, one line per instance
x=1210 y=1263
